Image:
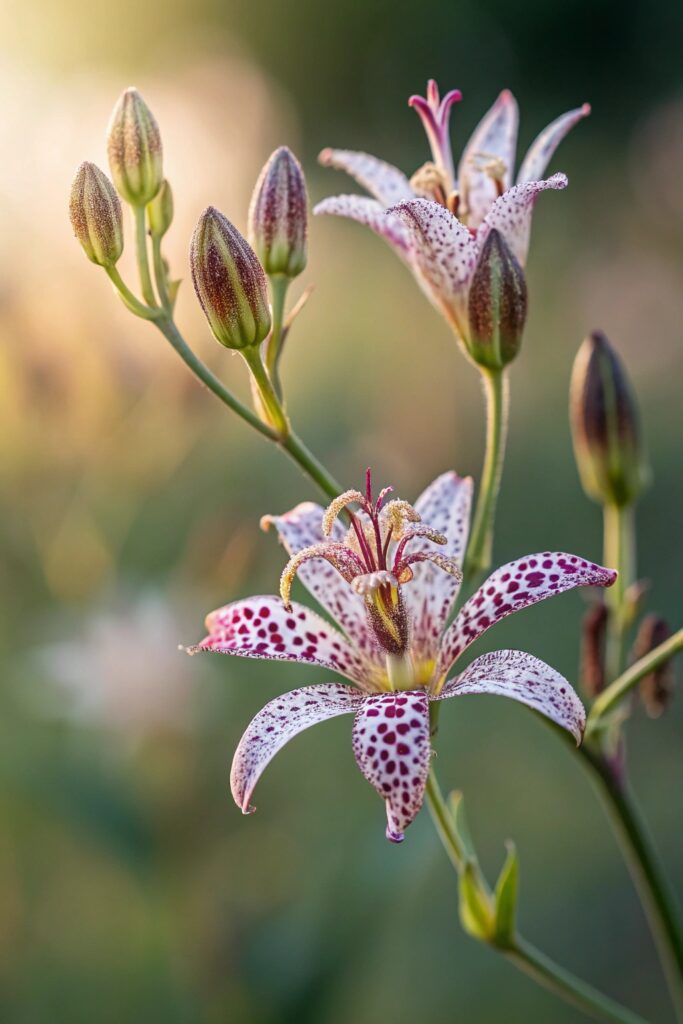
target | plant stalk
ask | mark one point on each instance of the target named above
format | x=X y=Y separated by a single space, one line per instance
x=480 y=546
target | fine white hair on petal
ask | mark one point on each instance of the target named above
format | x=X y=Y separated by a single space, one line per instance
x=443 y=252
x=512 y=587
x=391 y=746
x=382 y=180
x=261 y=627
x=494 y=138
x=511 y=213
x=277 y=723
x=371 y=213
x=541 y=150
x=526 y=679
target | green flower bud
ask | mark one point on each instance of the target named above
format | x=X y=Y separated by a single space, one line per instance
x=134 y=148
x=278 y=221
x=605 y=425
x=229 y=281
x=95 y=211
x=160 y=211
x=497 y=305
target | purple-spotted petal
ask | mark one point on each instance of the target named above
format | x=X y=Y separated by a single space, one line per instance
x=371 y=213
x=260 y=627
x=511 y=213
x=443 y=253
x=392 y=748
x=494 y=138
x=541 y=150
x=514 y=586
x=302 y=528
x=523 y=678
x=445 y=506
x=276 y=724
x=382 y=180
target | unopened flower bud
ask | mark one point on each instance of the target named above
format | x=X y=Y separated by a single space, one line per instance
x=656 y=689
x=605 y=425
x=95 y=211
x=229 y=281
x=278 y=215
x=497 y=305
x=593 y=634
x=134 y=148
x=160 y=211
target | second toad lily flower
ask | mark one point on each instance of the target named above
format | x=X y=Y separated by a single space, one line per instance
x=438 y=220
x=392 y=595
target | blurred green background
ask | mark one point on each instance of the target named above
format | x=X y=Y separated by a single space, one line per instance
x=131 y=889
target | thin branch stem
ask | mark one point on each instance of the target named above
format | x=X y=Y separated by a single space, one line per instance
x=619 y=554
x=140 y=217
x=644 y=867
x=279 y=285
x=160 y=274
x=608 y=700
x=130 y=300
x=522 y=954
x=480 y=547
x=272 y=406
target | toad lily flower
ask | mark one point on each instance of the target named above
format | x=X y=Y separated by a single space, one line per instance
x=392 y=594
x=438 y=220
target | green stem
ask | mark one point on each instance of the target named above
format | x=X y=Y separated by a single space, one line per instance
x=139 y=214
x=619 y=554
x=129 y=299
x=563 y=984
x=278 y=289
x=522 y=954
x=200 y=370
x=609 y=699
x=272 y=405
x=160 y=274
x=298 y=451
x=644 y=868
x=480 y=547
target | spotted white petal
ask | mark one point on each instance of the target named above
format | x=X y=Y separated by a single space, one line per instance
x=526 y=679
x=444 y=506
x=302 y=528
x=277 y=723
x=512 y=587
x=371 y=213
x=392 y=748
x=511 y=213
x=261 y=627
x=543 y=147
x=443 y=254
x=382 y=180
x=494 y=138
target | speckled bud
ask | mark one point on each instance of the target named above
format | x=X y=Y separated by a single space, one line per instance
x=497 y=305
x=656 y=689
x=160 y=211
x=134 y=148
x=605 y=425
x=278 y=219
x=229 y=281
x=95 y=212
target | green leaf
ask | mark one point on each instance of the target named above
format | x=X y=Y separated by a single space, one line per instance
x=456 y=807
x=506 y=899
x=476 y=908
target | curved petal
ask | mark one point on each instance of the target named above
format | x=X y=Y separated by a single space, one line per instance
x=541 y=150
x=526 y=679
x=443 y=253
x=302 y=528
x=514 y=586
x=382 y=180
x=371 y=213
x=260 y=627
x=392 y=749
x=277 y=723
x=495 y=137
x=511 y=213
x=429 y=597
